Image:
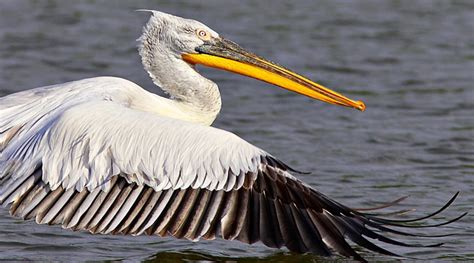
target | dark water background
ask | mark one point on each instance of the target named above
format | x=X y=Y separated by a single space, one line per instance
x=412 y=62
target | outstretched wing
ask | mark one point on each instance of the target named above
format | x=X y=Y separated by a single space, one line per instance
x=96 y=164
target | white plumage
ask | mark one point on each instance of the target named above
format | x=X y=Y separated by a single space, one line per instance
x=104 y=155
x=84 y=132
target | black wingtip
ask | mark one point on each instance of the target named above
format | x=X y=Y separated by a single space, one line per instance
x=395 y=221
x=403 y=233
x=385 y=205
x=277 y=163
x=440 y=224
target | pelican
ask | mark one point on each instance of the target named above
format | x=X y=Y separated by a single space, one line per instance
x=104 y=155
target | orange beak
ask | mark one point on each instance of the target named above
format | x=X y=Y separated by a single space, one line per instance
x=226 y=55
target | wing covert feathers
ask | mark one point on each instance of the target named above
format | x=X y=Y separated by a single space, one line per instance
x=269 y=206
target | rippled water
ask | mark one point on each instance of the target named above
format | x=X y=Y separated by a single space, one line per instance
x=412 y=62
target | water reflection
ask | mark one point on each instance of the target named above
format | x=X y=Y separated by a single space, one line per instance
x=192 y=256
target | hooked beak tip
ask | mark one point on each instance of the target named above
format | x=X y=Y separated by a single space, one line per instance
x=227 y=55
x=360 y=105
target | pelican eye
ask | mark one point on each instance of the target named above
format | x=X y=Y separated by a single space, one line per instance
x=203 y=34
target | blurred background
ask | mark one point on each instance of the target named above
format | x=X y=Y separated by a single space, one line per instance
x=411 y=62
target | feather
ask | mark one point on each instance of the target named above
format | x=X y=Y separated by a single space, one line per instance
x=34 y=197
x=230 y=183
x=117 y=204
x=44 y=206
x=168 y=214
x=152 y=207
x=250 y=231
x=132 y=217
x=289 y=232
x=268 y=231
x=68 y=212
x=125 y=209
x=58 y=205
x=183 y=213
x=22 y=191
x=197 y=216
x=210 y=213
x=233 y=220
x=216 y=221
x=331 y=235
x=165 y=199
x=94 y=207
x=18 y=188
x=309 y=235
x=83 y=208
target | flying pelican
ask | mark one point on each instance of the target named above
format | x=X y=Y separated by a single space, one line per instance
x=106 y=156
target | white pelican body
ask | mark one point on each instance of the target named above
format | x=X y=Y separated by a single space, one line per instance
x=123 y=129
x=104 y=155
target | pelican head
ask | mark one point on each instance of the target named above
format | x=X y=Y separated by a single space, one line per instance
x=171 y=46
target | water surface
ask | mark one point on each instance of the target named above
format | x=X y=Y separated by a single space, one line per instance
x=412 y=62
